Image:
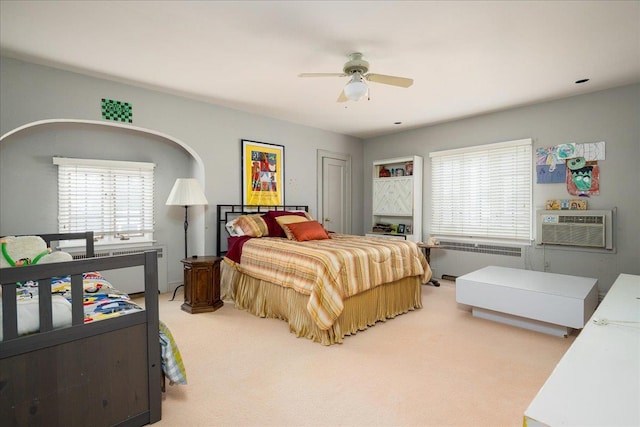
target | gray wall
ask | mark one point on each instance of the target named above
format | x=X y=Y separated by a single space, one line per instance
x=28 y=203
x=30 y=93
x=611 y=116
x=212 y=134
x=28 y=195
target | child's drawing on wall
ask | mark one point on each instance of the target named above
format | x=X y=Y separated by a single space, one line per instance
x=583 y=178
x=549 y=168
x=552 y=162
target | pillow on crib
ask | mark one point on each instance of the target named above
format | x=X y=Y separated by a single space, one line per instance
x=252 y=225
x=16 y=248
x=56 y=256
x=29 y=314
x=25 y=250
x=305 y=230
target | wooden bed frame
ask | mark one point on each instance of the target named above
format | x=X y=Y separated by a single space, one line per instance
x=266 y=299
x=101 y=373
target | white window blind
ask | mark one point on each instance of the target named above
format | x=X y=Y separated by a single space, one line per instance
x=483 y=191
x=114 y=199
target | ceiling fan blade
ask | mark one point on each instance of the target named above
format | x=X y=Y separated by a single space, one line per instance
x=342 y=97
x=322 y=75
x=389 y=80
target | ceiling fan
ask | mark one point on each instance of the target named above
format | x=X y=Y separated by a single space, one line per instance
x=357 y=68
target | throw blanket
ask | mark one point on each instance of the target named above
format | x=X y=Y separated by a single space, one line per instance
x=331 y=270
x=172 y=364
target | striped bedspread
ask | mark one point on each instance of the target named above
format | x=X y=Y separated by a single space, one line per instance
x=332 y=270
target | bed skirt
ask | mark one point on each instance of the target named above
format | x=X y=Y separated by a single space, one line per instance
x=265 y=299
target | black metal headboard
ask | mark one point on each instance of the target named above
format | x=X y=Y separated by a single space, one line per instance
x=226 y=213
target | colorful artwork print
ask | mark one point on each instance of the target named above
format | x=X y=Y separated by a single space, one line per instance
x=262 y=173
x=263 y=167
x=583 y=178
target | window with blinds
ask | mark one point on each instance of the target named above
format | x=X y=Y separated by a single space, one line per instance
x=483 y=191
x=114 y=199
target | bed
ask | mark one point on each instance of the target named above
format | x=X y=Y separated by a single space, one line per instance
x=325 y=288
x=105 y=372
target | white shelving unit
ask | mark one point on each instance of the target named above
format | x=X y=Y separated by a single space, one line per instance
x=397 y=197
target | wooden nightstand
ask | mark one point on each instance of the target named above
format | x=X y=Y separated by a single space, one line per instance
x=202 y=284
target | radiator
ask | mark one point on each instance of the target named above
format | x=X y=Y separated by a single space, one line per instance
x=456 y=258
x=131 y=279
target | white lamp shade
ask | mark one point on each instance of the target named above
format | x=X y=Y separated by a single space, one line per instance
x=186 y=192
x=356 y=88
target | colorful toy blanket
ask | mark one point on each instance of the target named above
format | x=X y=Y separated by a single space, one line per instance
x=101 y=301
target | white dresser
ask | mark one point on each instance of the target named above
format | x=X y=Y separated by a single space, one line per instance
x=597 y=381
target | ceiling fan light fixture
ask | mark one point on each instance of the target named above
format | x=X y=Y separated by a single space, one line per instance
x=357 y=69
x=356 y=89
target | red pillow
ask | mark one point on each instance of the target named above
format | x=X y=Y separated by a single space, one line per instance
x=274 y=228
x=307 y=230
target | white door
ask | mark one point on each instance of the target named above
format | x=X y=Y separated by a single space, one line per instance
x=334 y=191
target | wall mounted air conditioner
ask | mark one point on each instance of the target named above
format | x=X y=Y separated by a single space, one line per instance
x=584 y=228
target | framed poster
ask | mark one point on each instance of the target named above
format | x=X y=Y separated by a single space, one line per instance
x=262 y=173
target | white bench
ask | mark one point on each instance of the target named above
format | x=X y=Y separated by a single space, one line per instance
x=545 y=302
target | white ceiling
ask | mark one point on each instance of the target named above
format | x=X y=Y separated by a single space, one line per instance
x=466 y=57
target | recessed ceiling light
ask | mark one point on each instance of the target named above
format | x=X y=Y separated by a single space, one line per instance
x=581 y=81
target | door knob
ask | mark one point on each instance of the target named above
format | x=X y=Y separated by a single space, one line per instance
x=327 y=220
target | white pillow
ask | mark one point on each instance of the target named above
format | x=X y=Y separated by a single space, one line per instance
x=56 y=256
x=18 y=247
x=29 y=314
x=32 y=247
x=232 y=229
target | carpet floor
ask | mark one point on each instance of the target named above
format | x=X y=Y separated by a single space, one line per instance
x=437 y=366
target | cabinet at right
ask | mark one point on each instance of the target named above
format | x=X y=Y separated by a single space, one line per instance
x=397 y=198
